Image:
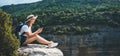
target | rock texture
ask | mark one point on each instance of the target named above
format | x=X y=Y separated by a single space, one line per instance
x=39 y=50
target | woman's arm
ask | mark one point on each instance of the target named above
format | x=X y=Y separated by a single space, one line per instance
x=34 y=33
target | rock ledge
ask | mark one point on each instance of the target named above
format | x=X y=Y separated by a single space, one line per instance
x=39 y=50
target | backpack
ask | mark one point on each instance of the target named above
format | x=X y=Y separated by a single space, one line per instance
x=21 y=38
x=17 y=29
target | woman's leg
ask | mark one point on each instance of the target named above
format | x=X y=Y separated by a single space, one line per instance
x=29 y=40
x=42 y=40
x=38 y=38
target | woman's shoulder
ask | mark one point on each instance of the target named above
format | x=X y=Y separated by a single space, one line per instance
x=25 y=26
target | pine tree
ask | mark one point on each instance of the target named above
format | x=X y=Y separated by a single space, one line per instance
x=8 y=41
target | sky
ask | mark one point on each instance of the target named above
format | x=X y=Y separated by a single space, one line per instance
x=9 y=2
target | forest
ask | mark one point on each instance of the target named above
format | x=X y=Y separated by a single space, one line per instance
x=67 y=16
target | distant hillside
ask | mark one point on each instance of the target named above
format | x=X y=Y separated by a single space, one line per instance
x=66 y=16
x=61 y=4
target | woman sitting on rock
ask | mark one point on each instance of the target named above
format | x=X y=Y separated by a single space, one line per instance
x=30 y=36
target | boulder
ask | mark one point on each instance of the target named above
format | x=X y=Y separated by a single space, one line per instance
x=39 y=50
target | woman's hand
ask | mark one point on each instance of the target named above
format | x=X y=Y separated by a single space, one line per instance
x=39 y=30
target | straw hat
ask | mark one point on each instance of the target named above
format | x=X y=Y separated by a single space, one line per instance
x=29 y=17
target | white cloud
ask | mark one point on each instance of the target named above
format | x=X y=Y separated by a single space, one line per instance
x=9 y=2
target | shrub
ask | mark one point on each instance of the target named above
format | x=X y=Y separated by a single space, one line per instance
x=8 y=41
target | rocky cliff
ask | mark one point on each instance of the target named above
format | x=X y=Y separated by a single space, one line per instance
x=39 y=50
x=105 y=41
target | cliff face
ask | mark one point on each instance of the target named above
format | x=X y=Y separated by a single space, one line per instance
x=39 y=50
x=103 y=42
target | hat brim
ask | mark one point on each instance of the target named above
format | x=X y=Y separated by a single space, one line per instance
x=35 y=17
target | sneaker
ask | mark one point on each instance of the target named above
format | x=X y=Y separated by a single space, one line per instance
x=52 y=44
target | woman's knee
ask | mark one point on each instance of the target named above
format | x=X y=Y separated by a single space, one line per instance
x=36 y=36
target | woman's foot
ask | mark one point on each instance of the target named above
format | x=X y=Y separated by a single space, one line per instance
x=52 y=44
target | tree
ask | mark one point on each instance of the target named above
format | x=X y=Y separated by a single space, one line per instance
x=8 y=41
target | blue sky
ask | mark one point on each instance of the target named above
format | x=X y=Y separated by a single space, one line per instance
x=9 y=2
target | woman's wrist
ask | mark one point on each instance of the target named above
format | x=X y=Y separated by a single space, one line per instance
x=35 y=32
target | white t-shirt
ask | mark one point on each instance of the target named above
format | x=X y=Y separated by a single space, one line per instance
x=25 y=28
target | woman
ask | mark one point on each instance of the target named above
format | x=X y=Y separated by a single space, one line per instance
x=33 y=36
